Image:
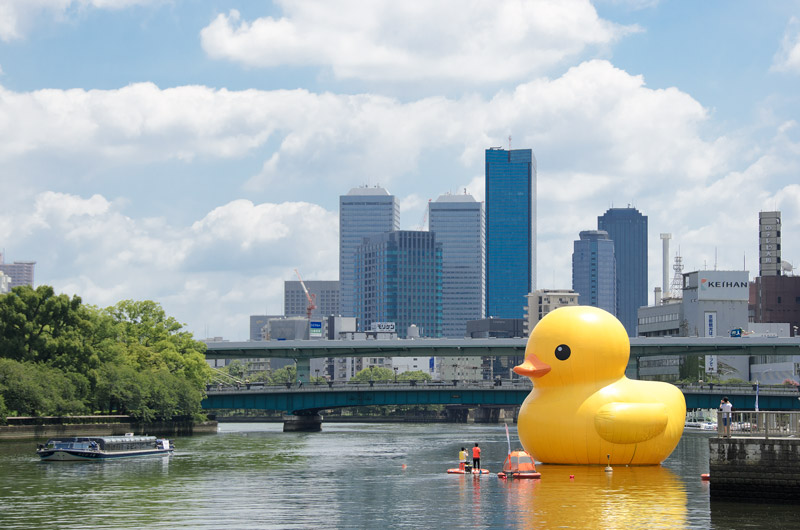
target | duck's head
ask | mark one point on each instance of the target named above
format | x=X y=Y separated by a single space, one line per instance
x=576 y=344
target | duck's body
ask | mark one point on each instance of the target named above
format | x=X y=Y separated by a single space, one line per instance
x=583 y=409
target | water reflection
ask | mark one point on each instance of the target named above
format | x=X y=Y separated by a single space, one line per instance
x=352 y=476
x=629 y=497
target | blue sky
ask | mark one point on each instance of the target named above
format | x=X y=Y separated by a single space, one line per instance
x=193 y=153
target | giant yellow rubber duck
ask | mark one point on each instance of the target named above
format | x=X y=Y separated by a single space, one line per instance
x=582 y=407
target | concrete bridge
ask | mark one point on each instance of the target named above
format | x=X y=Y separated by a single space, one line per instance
x=302 y=351
x=303 y=401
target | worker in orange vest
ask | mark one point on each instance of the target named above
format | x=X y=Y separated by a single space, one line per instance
x=476 y=457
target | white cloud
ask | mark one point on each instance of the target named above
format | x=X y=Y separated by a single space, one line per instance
x=608 y=116
x=601 y=137
x=787 y=58
x=235 y=257
x=386 y=40
x=17 y=17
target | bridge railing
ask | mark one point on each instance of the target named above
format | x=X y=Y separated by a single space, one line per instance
x=260 y=387
x=761 y=424
x=734 y=389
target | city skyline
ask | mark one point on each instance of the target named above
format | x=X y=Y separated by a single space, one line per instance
x=194 y=155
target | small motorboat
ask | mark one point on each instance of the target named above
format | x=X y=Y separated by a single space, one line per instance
x=519 y=464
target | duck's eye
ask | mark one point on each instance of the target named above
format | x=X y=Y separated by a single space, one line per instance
x=562 y=352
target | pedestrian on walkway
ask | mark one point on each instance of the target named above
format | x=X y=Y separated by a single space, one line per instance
x=726 y=407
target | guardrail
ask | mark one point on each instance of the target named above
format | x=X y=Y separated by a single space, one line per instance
x=260 y=387
x=761 y=424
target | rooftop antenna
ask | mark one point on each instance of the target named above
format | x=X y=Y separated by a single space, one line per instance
x=509 y=142
x=715 y=258
x=676 y=288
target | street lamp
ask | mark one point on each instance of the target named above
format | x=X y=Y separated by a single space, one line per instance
x=316 y=381
x=395 y=375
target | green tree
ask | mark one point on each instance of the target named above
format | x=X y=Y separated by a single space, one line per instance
x=155 y=341
x=373 y=373
x=38 y=390
x=40 y=326
x=287 y=374
x=414 y=375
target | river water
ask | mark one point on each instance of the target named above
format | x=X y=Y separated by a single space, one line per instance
x=360 y=476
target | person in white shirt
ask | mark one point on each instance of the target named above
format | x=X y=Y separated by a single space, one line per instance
x=726 y=407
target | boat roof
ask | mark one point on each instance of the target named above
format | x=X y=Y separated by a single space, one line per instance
x=104 y=439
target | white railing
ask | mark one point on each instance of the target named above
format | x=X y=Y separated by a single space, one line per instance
x=761 y=424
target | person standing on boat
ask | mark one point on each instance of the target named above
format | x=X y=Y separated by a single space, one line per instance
x=462 y=458
x=726 y=407
x=476 y=457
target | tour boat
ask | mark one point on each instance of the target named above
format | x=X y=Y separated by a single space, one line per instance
x=103 y=447
x=519 y=464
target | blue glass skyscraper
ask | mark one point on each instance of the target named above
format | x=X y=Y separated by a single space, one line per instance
x=458 y=222
x=594 y=275
x=398 y=278
x=363 y=212
x=627 y=227
x=510 y=231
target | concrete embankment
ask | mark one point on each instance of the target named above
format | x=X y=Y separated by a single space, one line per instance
x=17 y=432
x=755 y=469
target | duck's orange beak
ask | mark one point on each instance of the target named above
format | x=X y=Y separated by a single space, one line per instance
x=532 y=367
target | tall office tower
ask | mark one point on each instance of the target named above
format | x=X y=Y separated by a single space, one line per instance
x=459 y=225
x=363 y=212
x=399 y=279
x=510 y=231
x=21 y=272
x=769 y=244
x=325 y=294
x=627 y=227
x=594 y=275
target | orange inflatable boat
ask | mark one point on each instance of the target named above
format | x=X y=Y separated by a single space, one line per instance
x=519 y=464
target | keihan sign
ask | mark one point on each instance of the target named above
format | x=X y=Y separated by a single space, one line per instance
x=723 y=285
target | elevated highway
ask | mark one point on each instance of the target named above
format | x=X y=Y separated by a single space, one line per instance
x=640 y=347
x=302 y=351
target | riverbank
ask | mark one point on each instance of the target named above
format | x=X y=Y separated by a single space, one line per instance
x=64 y=428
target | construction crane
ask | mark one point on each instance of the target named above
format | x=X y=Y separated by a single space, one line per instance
x=312 y=298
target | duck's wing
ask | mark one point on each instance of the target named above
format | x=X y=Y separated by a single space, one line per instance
x=627 y=423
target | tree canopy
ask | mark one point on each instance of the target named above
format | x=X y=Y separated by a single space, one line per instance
x=59 y=356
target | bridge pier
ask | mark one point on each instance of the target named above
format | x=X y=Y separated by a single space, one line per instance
x=303 y=370
x=302 y=423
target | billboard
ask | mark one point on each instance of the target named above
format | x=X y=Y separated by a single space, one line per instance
x=315 y=329
x=710 y=320
x=720 y=285
x=382 y=326
x=711 y=364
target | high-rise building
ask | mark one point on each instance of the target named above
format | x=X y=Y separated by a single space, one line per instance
x=458 y=222
x=399 y=279
x=627 y=228
x=594 y=275
x=21 y=272
x=775 y=294
x=543 y=301
x=363 y=212
x=510 y=231
x=5 y=282
x=324 y=292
